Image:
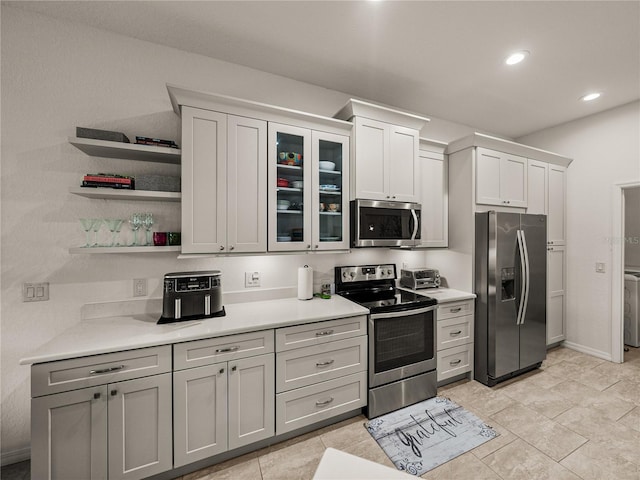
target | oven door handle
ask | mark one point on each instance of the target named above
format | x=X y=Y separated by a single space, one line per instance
x=404 y=313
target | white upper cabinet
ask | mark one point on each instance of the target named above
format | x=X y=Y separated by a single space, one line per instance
x=556 y=223
x=547 y=196
x=253 y=178
x=308 y=189
x=223 y=182
x=434 y=195
x=384 y=160
x=501 y=178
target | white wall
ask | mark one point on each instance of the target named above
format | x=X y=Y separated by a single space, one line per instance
x=56 y=76
x=632 y=227
x=606 y=150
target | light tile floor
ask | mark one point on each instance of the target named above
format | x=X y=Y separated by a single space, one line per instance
x=578 y=417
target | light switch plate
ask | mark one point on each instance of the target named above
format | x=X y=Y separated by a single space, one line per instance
x=35 y=292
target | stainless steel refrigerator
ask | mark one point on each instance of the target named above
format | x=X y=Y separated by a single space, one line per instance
x=511 y=288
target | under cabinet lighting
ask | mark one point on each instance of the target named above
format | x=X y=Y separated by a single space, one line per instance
x=516 y=57
x=590 y=96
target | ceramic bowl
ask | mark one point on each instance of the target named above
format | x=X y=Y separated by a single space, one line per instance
x=326 y=165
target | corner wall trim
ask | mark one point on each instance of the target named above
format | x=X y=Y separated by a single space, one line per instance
x=15 y=456
x=589 y=351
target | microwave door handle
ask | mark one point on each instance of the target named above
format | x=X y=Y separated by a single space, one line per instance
x=415 y=224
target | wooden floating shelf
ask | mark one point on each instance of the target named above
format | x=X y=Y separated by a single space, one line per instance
x=124 y=194
x=126 y=151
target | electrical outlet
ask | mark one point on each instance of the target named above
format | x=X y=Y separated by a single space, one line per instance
x=139 y=287
x=35 y=292
x=600 y=267
x=251 y=279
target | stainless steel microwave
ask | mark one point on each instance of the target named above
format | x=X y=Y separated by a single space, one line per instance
x=377 y=223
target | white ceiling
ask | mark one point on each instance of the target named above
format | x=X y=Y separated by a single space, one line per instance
x=439 y=58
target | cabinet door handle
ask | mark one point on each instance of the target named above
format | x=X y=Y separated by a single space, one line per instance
x=106 y=370
x=323 y=333
x=221 y=247
x=324 y=364
x=326 y=402
x=453 y=334
x=455 y=310
x=455 y=362
x=227 y=349
x=114 y=392
x=96 y=395
x=234 y=368
x=221 y=371
x=316 y=246
x=308 y=246
x=231 y=247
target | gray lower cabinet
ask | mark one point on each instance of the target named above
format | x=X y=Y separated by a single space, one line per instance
x=321 y=371
x=121 y=430
x=69 y=435
x=224 y=405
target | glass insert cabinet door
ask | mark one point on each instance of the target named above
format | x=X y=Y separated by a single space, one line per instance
x=330 y=202
x=289 y=188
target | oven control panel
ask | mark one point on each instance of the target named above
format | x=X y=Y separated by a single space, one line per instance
x=367 y=273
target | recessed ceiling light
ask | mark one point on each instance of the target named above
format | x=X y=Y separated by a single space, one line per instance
x=516 y=57
x=590 y=96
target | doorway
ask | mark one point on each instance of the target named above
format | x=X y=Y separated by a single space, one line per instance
x=618 y=239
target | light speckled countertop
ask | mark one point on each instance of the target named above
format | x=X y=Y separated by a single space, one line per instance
x=112 y=334
x=445 y=295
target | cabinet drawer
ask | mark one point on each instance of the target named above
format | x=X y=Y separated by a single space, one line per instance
x=455 y=331
x=308 y=405
x=306 y=366
x=455 y=309
x=65 y=375
x=221 y=349
x=454 y=361
x=298 y=336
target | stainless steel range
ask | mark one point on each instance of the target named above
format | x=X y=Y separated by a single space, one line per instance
x=402 y=336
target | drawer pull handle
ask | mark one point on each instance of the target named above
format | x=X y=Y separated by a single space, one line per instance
x=455 y=362
x=227 y=350
x=324 y=332
x=455 y=310
x=453 y=334
x=324 y=364
x=106 y=370
x=326 y=402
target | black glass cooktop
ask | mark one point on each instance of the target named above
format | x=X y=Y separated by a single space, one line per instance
x=394 y=299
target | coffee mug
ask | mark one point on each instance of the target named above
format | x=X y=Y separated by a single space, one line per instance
x=159 y=239
x=174 y=238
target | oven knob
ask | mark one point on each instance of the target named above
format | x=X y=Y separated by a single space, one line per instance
x=352 y=274
x=388 y=272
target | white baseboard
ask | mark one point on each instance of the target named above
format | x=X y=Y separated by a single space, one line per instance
x=7 y=458
x=589 y=351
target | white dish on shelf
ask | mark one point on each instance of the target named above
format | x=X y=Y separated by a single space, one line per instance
x=326 y=165
x=329 y=239
x=284 y=238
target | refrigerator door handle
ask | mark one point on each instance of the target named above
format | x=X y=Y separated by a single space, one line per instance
x=526 y=290
x=523 y=278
